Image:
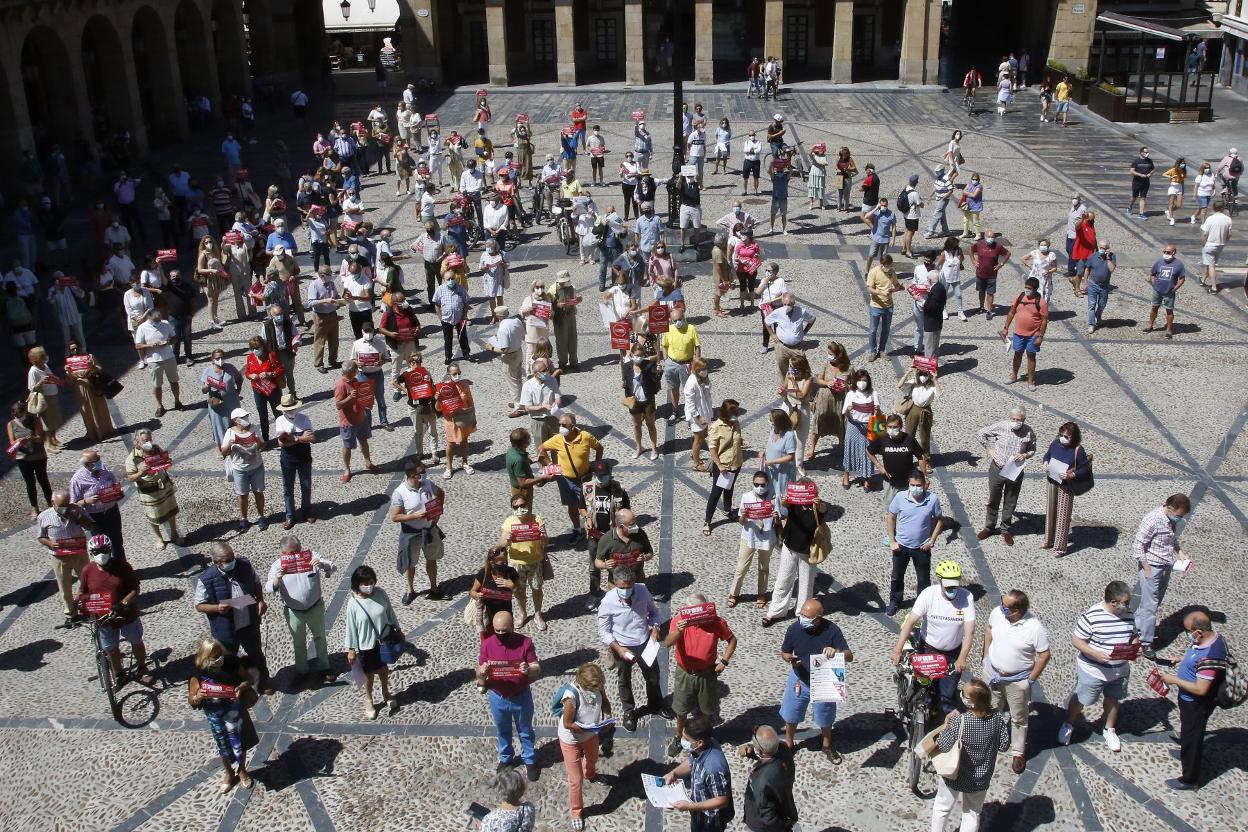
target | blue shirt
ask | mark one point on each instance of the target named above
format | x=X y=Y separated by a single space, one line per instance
x=648 y=231
x=233 y=152
x=282 y=238
x=974 y=196
x=351 y=182
x=1186 y=671
x=452 y=300
x=915 y=520
x=803 y=643
x=1166 y=275
x=1098 y=268
x=709 y=777
x=885 y=222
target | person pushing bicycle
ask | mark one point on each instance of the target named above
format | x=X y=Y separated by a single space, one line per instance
x=108 y=591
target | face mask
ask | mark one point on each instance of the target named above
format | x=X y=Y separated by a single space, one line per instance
x=916 y=491
x=102 y=558
x=893 y=433
x=257 y=351
x=62 y=511
x=686 y=745
x=636 y=359
x=277 y=319
x=1044 y=249
x=1031 y=293
x=564 y=431
x=949 y=592
x=217 y=362
x=1193 y=638
x=367 y=333
x=95 y=467
x=520 y=511
x=625 y=594
x=367 y=590
x=226 y=567
x=760 y=490
x=244 y=423
x=992 y=241
x=1065 y=440
x=703 y=375
x=862 y=385
x=1074 y=203
x=455 y=376
x=633 y=529
x=922 y=378
x=807 y=623
x=1169 y=258
x=148 y=447
x=680 y=324
x=602 y=481
x=659 y=249
x=1018 y=426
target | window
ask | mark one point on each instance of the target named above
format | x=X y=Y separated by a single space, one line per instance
x=606 y=42
x=542 y=34
x=796 y=39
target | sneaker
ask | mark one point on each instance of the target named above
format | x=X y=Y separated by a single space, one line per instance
x=408 y=597
x=262 y=523
x=666 y=712
x=1063 y=733
x=534 y=773
x=1111 y=739
x=1091 y=329
x=654 y=454
x=671 y=418
x=1191 y=220
x=242 y=524
x=469 y=469
x=961 y=316
x=762 y=350
x=630 y=721
x=891 y=609
x=446 y=473
x=945 y=315
x=1172 y=220
x=1180 y=785
x=637 y=453
x=1148 y=652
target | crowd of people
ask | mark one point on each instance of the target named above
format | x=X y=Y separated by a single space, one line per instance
x=245 y=245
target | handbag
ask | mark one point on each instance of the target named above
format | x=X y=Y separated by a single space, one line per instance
x=1082 y=485
x=947 y=763
x=548 y=569
x=392 y=643
x=821 y=543
x=473 y=613
x=36 y=403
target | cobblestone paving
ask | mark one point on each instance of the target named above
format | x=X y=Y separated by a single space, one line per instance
x=1159 y=416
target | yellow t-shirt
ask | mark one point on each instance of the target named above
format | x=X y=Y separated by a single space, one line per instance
x=573 y=457
x=527 y=552
x=679 y=346
x=1063 y=91
x=880 y=288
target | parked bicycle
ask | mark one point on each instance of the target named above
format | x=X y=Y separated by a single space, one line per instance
x=563 y=225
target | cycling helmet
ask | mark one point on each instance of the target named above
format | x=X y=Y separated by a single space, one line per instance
x=777 y=117
x=99 y=543
x=948 y=569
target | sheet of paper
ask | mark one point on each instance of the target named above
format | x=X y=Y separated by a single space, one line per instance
x=661 y=796
x=726 y=479
x=607 y=312
x=239 y=602
x=1012 y=469
x=650 y=653
x=1184 y=565
x=827 y=678
x=1057 y=470
x=598 y=726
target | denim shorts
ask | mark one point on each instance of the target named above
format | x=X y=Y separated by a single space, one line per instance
x=110 y=637
x=1062 y=106
x=1019 y=343
x=878 y=249
x=988 y=285
x=1088 y=689
x=675 y=374
x=1165 y=301
x=797 y=697
x=352 y=434
x=1203 y=201
x=246 y=482
x=570 y=492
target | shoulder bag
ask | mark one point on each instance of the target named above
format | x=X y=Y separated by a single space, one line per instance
x=392 y=642
x=947 y=763
x=821 y=543
x=1082 y=485
x=36 y=403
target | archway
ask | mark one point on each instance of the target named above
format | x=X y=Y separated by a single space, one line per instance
x=191 y=39
x=107 y=89
x=156 y=75
x=10 y=137
x=233 y=76
x=311 y=47
x=44 y=59
x=258 y=20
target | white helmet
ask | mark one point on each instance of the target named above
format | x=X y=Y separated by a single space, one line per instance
x=777 y=117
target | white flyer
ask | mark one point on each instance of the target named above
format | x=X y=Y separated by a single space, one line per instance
x=239 y=602
x=827 y=678
x=660 y=795
x=650 y=652
x=1011 y=469
x=726 y=479
x=1184 y=565
x=607 y=312
x=1057 y=470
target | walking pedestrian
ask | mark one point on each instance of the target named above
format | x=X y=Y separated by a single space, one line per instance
x=1155 y=548
x=1010 y=443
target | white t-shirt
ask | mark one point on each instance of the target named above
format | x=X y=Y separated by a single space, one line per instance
x=1015 y=645
x=1218 y=228
x=161 y=334
x=407 y=500
x=588 y=712
x=1041 y=263
x=244 y=449
x=535 y=393
x=360 y=286
x=757 y=534
x=943 y=619
x=916 y=204
x=1204 y=184
x=370 y=346
x=921 y=394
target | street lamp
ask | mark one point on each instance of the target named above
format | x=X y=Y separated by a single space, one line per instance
x=345 y=5
x=372 y=5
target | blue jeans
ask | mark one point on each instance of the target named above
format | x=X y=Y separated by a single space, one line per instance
x=379 y=392
x=291 y=469
x=607 y=255
x=880 y=323
x=796 y=700
x=1098 y=296
x=518 y=709
x=181 y=336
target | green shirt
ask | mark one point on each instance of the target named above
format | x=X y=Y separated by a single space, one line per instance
x=518 y=465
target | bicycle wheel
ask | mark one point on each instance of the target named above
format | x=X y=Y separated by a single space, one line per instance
x=918 y=730
x=104 y=671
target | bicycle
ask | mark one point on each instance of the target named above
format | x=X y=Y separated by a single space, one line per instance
x=1229 y=194
x=968 y=100
x=541 y=213
x=563 y=225
x=918 y=705
x=110 y=683
x=790 y=153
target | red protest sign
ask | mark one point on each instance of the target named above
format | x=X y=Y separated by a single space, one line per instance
x=263 y=386
x=317 y=211
x=368 y=360
x=98 y=603
x=365 y=394
x=297 y=562
x=157 y=462
x=801 y=493
x=522 y=118
x=109 y=493
x=216 y=690
x=629 y=557
x=449 y=399
x=931 y=665
x=657 y=316
x=491 y=594
x=278 y=205
x=1154 y=681
x=598 y=150
x=16 y=446
x=819 y=148
x=420 y=387
x=542 y=309
x=838 y=385
x=569 y=131
x=526 y=532
x=552 y=470
x=639 y=115
x=505 y=672
x=454 y=261
x=759 y=510
x=926 y=364
x=68 y=546
x=621 y=334
x=66 y=281
x=433 y=509
x=699 y=612
x=166 y=255
x=77 y=363
x=235 y=238
x=1130 y=651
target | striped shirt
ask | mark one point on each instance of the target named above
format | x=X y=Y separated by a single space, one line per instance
x=1102 y=630
x=1156 y=539
x=1003 y=442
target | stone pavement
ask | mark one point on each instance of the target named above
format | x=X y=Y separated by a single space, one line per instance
x=1159 y=417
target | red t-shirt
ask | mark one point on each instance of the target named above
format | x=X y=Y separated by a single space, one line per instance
x=986 y=257
x=698 y=646
x=118 y=580
x=511 y=648
x=1029 y=313
x=353 y=414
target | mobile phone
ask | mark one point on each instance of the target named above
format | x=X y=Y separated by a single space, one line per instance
x=477 y=812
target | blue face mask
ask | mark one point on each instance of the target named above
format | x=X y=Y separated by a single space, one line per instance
x=807 y=623
x=227 y=568
x=626 y=595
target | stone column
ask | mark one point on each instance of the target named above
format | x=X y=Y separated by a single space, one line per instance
x=130 y=92
x=418 y=26
x=704 y=43
x=75 y=89
x=843 y=42
x=773 y=29
x=634 y=44
x=920 y=42
x=15 y=129
x=496 y=40
x=565 y=43
x=1074 y=27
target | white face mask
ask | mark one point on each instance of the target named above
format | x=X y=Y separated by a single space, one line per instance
x=564 y=430
x=1065 y=440
x=862 y=385
x=916 y=491
x=893 y=433
x=922 y=378
x=148 y=447
x=244 y=423
x=760 y=490
x=102 y=558
x=217 y=362
x=367 y=590
x=1044 y=249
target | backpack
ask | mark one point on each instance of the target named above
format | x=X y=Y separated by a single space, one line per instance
x=1233 y=689
x=556 y=702
x=1236 y=167
x=903 y=200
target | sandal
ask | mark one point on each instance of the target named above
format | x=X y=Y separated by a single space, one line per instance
x=245 y=780
x=706 y=530
x=225 y=787
x=732 y=601
x=761 y=603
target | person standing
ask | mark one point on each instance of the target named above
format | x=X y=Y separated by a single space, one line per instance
x=1155 y=548
x=710 y=782
x=942 y=192
x=506 y=666
x=1097 y=270
x=371 y=354
x=325 y=301
x=982 y=733
x=972 y=204
x=221 y=685
x=1215 y=232
x=229 y=577
x=724 y=444
x=295 y=575
x=370 y=621
x=1073 y=216
x=1165 y=278
x=883 y=223
x=1082 y=247
x=788 y=325
x=295 y=438
x=795 y=576
x=769 y=804
x=758 y=538
x=241 y=447
x=62 y=530
x=1204 y=663
x=914 y=524
x=695 y=679
x=355 y=420
x=989 y=257
x=1016 y=651
x=526 y=553
x=627 y=621
x=947 y=611
x=1009 y=442
x=583 y=703
x=1030 y=316
x=26 y=437
x=570 y=451
x=564 y=302
x=418 y=384
x=1100 y=629
x=157 y=493
x=881 y=284
x=910 y=204
x=417 y=505
x=1141 y=170
x=450 y=301
x=153 y=339
x=280 y=340
x=96 y=490
x=810 y=635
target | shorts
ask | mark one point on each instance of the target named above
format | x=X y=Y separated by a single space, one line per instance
x=110 y=637
x=675 y=374
x=351 y=434
x=570 y=492
x=1089 y=689
x=988 y=285
x=912 y=224
x=797 y=698
x=1062 y=106
x=167 y=368
x=1019 y=343
x=528 y=574
x=694 y=427
x=780 y=204
x=429 y=546
x=597 y=162
x=1165 y=301
x=695 y=692
x=1209 y=254
x=690 y=216
x=641 y=408
x=751 y=167
x=1174 y=190
x=1203 y=201
x=1139 y=187
x=249 y=482
x=878 y=249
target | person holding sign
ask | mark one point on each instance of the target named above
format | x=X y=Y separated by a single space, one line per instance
x=147 y=466
x=1067 y=462
x=418 y=383
x=506 y=666
x=810 y=635
x=1107 y=640
x=493 y=588
x=695 y=632
x=230 y=593
x=25 y=436
x=371 y=354
x=221 y=383
x=295 y=575
x=107 y=586
x=241 y=447
x=220 y=685
x=524 y=535
x=583 y=703
x=628 y=624
x=643 y=382
x=63 y=529
x=625 y=545
x=417 y=505
x=93 y=387
x=679 y=346
x=570 y=451
x=96 y=490
x=801 y=514
x=154 y=341
x=265 y=372
x=355 y=417
x=756 y=515
x=459 y=417
x=1010 y=444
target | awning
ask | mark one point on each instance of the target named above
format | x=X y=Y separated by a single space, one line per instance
x=380 y=19
x=1192 y=27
